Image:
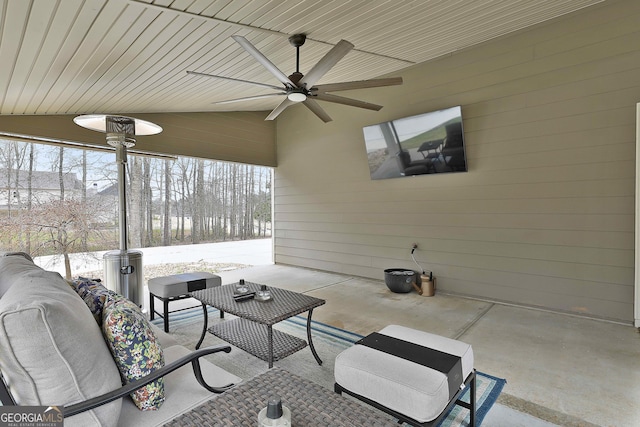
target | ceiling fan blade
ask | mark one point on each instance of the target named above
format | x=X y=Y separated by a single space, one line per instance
x=347 y=101
x=279 y=109
x=361 y=84
x=195 y=73
x=326 y=63
x=317 y=110
x=282 y=77
x=250 y=98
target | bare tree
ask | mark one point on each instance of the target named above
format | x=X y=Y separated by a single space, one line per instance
x=136 y=214
x=148 y=202
x=261 y=204
x=61 y=171
x=233 y=199
x=11 y=173
x=213 y=200
x=198 y=200
x=32 y=158
x=248 y=202
x=60 y=226
x=184 y=196
x=225 y=200
x=166 y=218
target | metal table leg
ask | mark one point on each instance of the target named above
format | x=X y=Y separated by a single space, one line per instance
x=313 y=350
x=204 y=325
x=270 y=333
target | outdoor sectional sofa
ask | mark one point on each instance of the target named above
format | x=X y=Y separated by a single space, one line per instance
x=53 y=352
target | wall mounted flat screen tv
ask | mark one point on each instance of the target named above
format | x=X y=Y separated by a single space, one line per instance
x=427 y=143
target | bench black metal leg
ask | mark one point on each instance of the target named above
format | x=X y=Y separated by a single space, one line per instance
x=152 y=313
x=472 y=400
x=165 y=303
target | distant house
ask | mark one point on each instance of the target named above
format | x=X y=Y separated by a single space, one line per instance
x=45 y=186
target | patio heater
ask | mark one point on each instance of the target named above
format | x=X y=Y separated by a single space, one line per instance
x=123 y=270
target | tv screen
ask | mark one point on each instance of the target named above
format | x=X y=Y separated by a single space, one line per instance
x=424 y=144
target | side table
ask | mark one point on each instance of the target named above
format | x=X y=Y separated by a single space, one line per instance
x=252 y=330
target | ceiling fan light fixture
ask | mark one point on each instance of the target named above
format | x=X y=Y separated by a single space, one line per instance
x=297 y=97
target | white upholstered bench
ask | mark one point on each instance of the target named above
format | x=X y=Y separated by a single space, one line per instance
x=413 y=375
x=177 y=287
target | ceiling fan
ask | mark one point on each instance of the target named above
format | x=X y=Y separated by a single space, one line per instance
x=302 y=88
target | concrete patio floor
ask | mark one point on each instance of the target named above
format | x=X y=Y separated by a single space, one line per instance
x=560 y=369
x=566 y=370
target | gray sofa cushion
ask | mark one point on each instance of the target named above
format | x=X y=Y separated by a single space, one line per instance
x=52 y=349
x=166 y=340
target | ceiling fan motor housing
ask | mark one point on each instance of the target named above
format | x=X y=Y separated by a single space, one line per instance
x=295 y=77
x=297 y=40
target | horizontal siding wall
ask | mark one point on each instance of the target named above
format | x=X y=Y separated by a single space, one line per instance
x=545 y=214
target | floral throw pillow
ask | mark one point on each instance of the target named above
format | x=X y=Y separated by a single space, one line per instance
x=94 y=294
x=135 y=349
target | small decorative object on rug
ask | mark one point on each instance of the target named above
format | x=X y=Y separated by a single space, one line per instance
x=264 y=294
x=274 y=415
x=241 y=288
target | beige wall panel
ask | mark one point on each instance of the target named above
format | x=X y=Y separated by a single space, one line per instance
x=539 y=182
x=537 y=291
x=567 y=241
x=545 y=215
x=602 y=256
x=591 y=205
x=607 y=180
x=571 y=303
x=592 y=222
x=569 y=140
x=243 y=137
x=522 y=83
x=439 y=261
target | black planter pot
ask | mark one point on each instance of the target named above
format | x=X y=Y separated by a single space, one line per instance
x=399 y=280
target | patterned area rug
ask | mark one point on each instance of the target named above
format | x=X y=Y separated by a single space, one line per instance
x=186 y=327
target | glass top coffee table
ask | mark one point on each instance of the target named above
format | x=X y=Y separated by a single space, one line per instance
x=311 y=405
x=252 y=330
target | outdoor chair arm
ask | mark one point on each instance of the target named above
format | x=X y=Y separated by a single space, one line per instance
x=5 y=396
x=126 y=389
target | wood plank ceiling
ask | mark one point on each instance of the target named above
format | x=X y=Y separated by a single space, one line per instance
x=111 y=56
